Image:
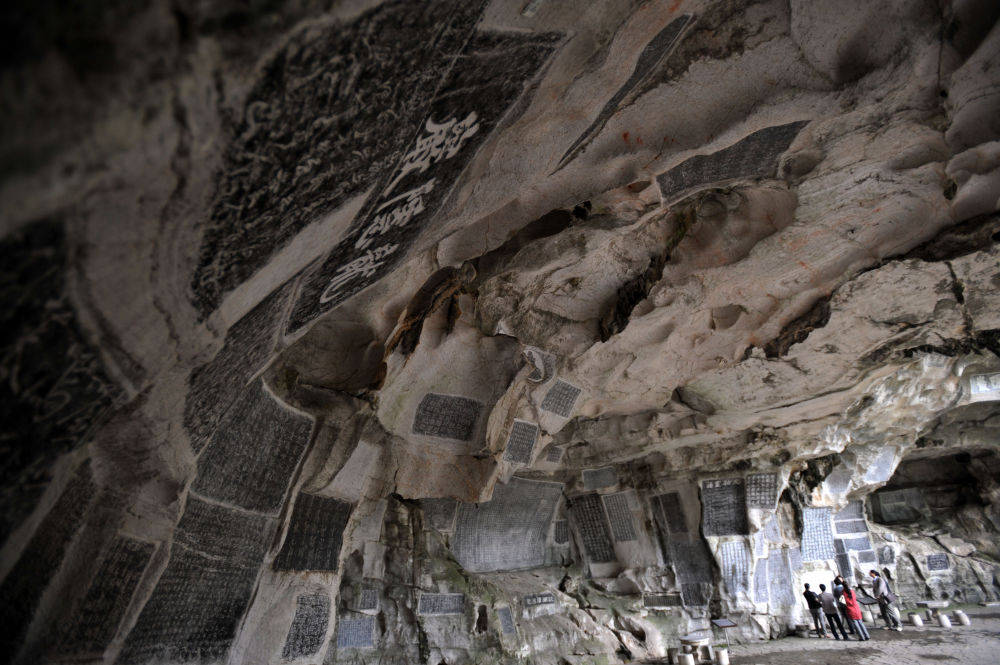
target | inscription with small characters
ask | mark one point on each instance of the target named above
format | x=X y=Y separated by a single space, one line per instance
x=589 y=517
x=367 y=599
x=695 y=594
x=755 y=156
x=760 y=582
x=619 y=516
x=691 y=559
x=447 y=417
x=735 y=559
x=315 y=534
x=441 y=603
x=561 y=398
x=858 y=543
x=356 y=632
x=506 y=620
x=844 y=566
x=440 y=513
x=780 y=580
x=938 y=562
x=108 y=597
x=866 y=556
x=667 y=507
x=597 y=478
x=854 y=510
x=724 y=507
x=817 y=535
x=305 y=635
x=554 y=455
x=521 y=442
x=851 y=526
x=661 y=600
x=561 y=532
x=762 y=490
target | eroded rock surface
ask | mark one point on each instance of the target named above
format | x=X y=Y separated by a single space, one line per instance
x=488 y=332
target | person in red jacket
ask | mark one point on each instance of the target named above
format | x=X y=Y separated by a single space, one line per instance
x=853 y=612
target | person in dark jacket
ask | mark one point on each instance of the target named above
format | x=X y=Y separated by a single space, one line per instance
x=832 y=613
x=838 y=591
x=853 y=611
x=885 y=597
x=816 y=610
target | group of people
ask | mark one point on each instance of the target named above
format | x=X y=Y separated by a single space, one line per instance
x=841 y=608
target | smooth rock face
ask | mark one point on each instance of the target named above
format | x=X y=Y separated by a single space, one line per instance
x=399 y=332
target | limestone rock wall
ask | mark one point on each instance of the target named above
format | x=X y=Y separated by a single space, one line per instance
x=454 y=332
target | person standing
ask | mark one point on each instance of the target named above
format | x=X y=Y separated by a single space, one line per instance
x=838 y=592
x=853 y=611
x=829 y=604
x=816 y=610
x=885 y=597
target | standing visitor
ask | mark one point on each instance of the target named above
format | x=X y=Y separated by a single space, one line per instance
x=838 y=593
x=832 y=613
x=816 y=610
x=853 y=611
x=885 y=597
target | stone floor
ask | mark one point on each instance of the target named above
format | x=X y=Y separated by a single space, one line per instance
x=978 y=644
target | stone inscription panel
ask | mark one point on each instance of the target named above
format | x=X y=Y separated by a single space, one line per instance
x=24 y=584
x=356 y=632
x=589 y=517
x=554 y=454
x=441 y=603
x=667 y=507
x=521 y=442
x=755 y=156
x=735 y=563
x=817 y=534
x=696 y=594
x=597 y=478
x=779 y=578
x=251 y=457
x=691 y=559
x=661 y=600
x=474 y=91
x=508 y=532
x=762 y=490
x=858 y=543
x=536 y=599
x=308 y=629
x=649 y=61
x=506 y=620
x=440 y=513
x=886 y=556
x=55 y=390
x=851 y=526
x=844 y=566
x=724 y=507
x=761 y=584
x=108 y=597
x=367 y=599
x=619 y=517
x=447 y=417
x=561 y=532
x=866 y=556
x=561 y=398
x=196 y=607
x=315 y=534
x=215 y=386
x=938 y=562
x=854 y=510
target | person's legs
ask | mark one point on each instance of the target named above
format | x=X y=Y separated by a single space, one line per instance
x=860 y=630
x=836 y=625
x=893 y=612
x=884 y=610
x=846 y=620
x=817 y=616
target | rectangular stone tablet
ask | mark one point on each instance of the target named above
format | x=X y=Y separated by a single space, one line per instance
x=817 y=534
x=521 y=442
x=561 y=398
x=367 y=599
x=691 y=559
x=735 y=564
x=308 y=629
x=356 y=632
x=592 y=527
x=447 y=417
x=439 y=514
x=779 y=578
x=315 y=534
x=560 y=533
x=554 y=454
x=851 y=526
x=866 y=556
x=667 y=507
x=724 y=507
x=938 y=562
x=696 y=594
x=250 y=458
x=762 y=490
x=108 y=597
x=772 y=530
x=536 y=599
x=506 y=620
x=886 y=555
x=441 y=603
x=795 y=558
x=510 y=531
x=761 y=585
x=619 y=517
x=661 y=600
x=597 y=478
x=858 y=544
x=854 y=510
x=844 y=566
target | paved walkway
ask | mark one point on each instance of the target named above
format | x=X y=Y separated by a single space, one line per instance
x=978 y=644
